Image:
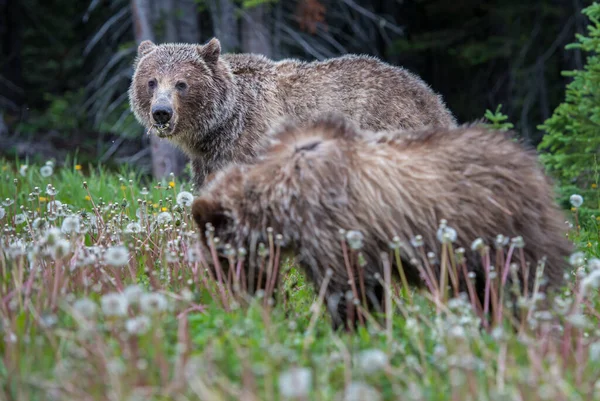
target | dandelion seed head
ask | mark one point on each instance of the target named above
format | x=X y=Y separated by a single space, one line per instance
x=133 y=228
x=577 y=259
x=153 y=303
x=295 y=383
x=184 y=198
x=576 y=200
x=138 y=325
x=117 y=255
x=60 y=248
x=372 y=360
x=518 y=242
x=355 y=239
x=417 y=241
x=85 y=308
x=164 y=218
x=54 y=206
x=20 y=219
x=446 y=234
x=114 y=304
x=358 y=391
x=2 y=212
x=50 y=190
x=71 y=224
x=46 y=171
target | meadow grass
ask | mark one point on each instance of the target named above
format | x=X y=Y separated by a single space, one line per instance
x=106 y=295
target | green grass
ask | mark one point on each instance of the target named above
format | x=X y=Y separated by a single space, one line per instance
x=181 y=341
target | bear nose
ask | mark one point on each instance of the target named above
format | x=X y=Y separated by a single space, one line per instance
x=162 y=114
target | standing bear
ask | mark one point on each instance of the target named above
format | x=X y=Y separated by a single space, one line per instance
x=330 y=175
x=218 y=107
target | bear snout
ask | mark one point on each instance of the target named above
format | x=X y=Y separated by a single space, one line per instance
x=162 y=114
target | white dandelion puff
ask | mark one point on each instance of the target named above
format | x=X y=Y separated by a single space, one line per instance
x=372 y=360
x=23 y=170
x=133 y=228
x=185 y=198
x=354 y=239
x=46 y=171
x=54 y=206
x=295 y=383
x=576 y=200
x=358 y=391
x=2 y=212
x=164 y=218
x=85 y=308
x=114 y=304
x=71 y=224
x=153 y=302
x=446 y=234
x=50 y=190
x=133 y=293
x=577 y=259
x=20 y=219
x=138 y=325
x=116 y=255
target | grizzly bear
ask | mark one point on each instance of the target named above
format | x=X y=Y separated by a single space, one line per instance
x=330 y=175
x=218 y=108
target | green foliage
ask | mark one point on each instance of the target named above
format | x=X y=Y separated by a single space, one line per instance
x=498 y=120
x=62 y=114
x=572 y=139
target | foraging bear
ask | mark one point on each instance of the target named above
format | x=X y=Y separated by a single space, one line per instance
x=218 y=108
x=331 y=175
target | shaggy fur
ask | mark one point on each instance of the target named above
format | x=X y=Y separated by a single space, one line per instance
x=331 y=175
x=223 y=105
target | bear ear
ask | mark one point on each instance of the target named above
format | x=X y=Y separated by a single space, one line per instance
x=145 y=47
x=211 y=51
x=205 y=210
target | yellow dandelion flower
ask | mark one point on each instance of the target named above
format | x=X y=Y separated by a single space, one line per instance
x=172 y=184
x=589 y=244
x=155 y=205
x=43 y=199
x=594 y=186
x=164 y=209
x=4 y=168
x=78 y=167
x=87 y=198
x=573 y=209
x=123 y=187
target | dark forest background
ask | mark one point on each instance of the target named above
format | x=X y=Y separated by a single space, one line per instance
x=65 y=65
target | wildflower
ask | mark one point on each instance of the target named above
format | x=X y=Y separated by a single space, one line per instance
x=193 y=255
x=46 y=171
x=185 y=198
x=85 y=308
x=20 y=219
x=71 y=224
x=137 y=325
x=114 y=304
x=172 y=184
x=164 y=217
x=2 y=212
x=417 y=241
x=61 y=248
x=576 y=200
x=144 y=191
x=87 y=198
x=117 y=256
x=372 y=360
x=358 y=391
x=594 y=186
x=594 y=264
x=153 y=302
x=477 y=245
x=8 y=202
x=54 y=206
x=43 y=199
x=518 y=242
x=355 y=239
x=23 y=170
x=595 y=351
x=592 y=280
x=133 y=293
x=577 y=259
x=133 y=228
x=446 y=234
x=78 y=167
x=295 y=383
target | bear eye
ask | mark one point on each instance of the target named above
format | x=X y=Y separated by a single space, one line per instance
x=152 y=84
x=181 y=86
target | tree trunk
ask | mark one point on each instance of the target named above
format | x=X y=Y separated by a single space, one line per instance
x=255 y=31
x=225 y=24
x=11 y=79
x=166 y=158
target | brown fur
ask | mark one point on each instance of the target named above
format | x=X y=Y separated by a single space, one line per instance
x=331 y=175
x=228 y=102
